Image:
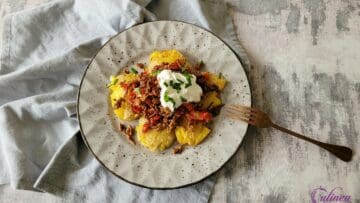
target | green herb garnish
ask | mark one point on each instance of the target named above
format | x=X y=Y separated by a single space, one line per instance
x=180 y=81
x=220 y=75
x=167 y=98
x=166 y=85
x=137 y=90
x=188 y=79
x=176 y=86
x=183 y=99
x=133 y=70
x=156 y=72
x=112 y=83
x=201 y=63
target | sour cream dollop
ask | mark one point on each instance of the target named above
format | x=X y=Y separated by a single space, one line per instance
x=178 y=88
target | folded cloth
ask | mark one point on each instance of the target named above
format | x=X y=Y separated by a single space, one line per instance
x=44 y=53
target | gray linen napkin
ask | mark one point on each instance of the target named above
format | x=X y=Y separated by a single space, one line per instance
x=44 y=53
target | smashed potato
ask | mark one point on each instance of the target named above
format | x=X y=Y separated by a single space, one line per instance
x=216 y=80
x=154 y=139
x=193 y=136
x=166 y=56
x=125 y=112
x=117 y=92
x=210 y=100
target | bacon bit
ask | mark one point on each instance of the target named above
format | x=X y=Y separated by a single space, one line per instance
x=197 y=67
x=126 y=71
x=122 y=127
x=146 y=127
x=136 y=109
x=199 y=116
x=140 y=65
x=178 y=149
x=148 y=101
x=173 y=122
x=128 y=132
x=133 y=85
x=189 y=106
x=206 y=75
x=166 y=112
x=158 y=67
x=118 y=103
x=124 y=85
x=154 y=120
x=132 y=95
x=176 y=65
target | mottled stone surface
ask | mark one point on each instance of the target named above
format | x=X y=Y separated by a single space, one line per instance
x=305 y=73
x=292 y=22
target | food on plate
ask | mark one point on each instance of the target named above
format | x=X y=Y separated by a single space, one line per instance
x=173 y=100
x=128 y=131
x=154 y=139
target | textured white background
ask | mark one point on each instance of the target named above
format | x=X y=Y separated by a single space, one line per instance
x=306 y=75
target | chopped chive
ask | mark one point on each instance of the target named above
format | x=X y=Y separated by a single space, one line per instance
x=171 y=83
x=133 y=70
x=137 y=90
x=201 y=63
x=188 y=79
x=113 y=82
x=175 y=86
x=156 y=72
x=166 y=85
x=183 y=99
x=167 y=98
x=220 y=75
x=180 y=81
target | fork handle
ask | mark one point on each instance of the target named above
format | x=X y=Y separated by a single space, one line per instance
x=343 y=153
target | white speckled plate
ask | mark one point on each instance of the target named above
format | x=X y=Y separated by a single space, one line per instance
x=136 y=164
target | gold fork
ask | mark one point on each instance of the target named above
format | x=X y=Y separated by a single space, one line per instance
x=261 y=120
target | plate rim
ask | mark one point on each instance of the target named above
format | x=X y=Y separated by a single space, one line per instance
x=97 y=158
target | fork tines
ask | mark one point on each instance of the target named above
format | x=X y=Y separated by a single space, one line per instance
x=240 y=113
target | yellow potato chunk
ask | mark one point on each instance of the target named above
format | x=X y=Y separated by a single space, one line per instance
x=210 y=100
x=125 y=112
x=191 y=137
x=165 y=56
x=220 y=82
x=127 y=77
x=154 y=139
x=117 y=92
